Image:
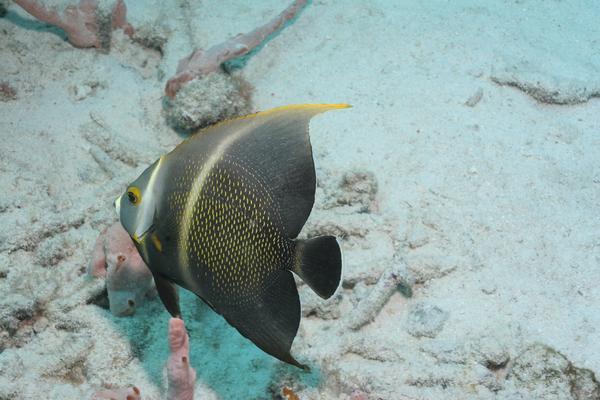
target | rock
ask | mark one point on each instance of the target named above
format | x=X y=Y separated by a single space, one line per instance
x=492 y=353
x=152 y=36
x=80 y=92
x=550 y=374
x=584 y=385
x=207 y=100
x=15 y=309
x=83 y=90
x=425 y=320
x=358 y=188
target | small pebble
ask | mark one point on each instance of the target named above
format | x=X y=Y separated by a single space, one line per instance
x=425 y=320
x=475 y=98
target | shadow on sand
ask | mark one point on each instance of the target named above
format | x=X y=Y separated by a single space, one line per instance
x=224 y=360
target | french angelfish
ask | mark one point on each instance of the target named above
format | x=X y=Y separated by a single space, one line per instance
x=219 y=216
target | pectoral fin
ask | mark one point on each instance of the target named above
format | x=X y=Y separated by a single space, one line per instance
x=167 y=291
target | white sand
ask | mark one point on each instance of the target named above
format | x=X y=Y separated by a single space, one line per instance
x=494 y=206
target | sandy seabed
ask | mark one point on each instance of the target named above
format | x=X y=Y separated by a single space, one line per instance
x=471 y=156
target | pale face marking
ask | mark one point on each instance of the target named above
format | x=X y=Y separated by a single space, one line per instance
x=145 y=216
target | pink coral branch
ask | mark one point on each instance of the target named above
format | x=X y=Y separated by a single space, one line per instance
x=119 y=18
x=80 y=22
x=201 y=63
x=181 y=376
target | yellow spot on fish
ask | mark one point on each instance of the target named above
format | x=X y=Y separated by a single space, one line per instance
x=156 y=242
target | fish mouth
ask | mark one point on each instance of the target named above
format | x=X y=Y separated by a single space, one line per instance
x=139 y=237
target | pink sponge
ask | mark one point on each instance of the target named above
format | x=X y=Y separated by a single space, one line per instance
x=128 y=279
x=181 y=376
x=84 y=23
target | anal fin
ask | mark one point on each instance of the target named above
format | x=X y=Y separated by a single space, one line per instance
x=271 y=323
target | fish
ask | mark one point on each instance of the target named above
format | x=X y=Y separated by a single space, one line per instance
x=220 y=215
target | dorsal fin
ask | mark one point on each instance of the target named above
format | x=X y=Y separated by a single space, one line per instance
x=275 y=146
x=312 y=109
x=272 y=145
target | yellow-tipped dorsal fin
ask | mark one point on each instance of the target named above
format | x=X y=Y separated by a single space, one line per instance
x=314 y=109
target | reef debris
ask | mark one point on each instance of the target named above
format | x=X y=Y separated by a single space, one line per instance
x=7 y=92
x=131 y=393
x=547 y=86
x=395 y=276
x=289 y=394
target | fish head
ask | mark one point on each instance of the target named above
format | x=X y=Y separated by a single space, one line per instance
x=137 y=206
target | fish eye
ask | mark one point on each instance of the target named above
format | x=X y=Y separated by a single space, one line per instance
x=134 y=195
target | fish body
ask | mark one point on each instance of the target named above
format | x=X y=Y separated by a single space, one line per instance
x=219 y=216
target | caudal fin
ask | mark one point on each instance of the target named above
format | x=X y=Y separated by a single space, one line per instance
x=319 y=264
